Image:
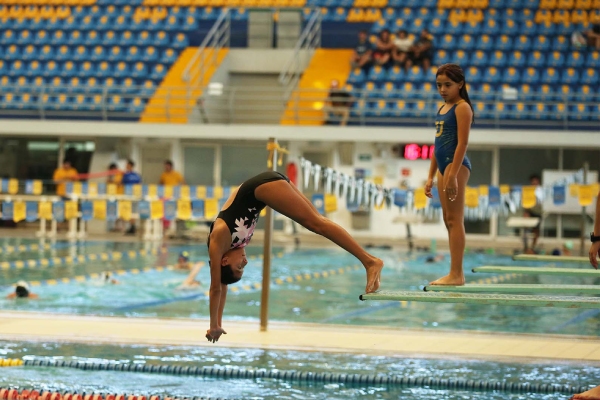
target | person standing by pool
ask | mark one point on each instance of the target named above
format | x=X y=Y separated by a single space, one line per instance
x=451 y=164
x=593 y=394
x=233 y=228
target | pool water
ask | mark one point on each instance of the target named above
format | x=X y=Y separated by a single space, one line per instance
x=332 y=299
x=66 y=379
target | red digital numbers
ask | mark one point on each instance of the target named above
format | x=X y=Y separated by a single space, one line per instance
x=415 y=151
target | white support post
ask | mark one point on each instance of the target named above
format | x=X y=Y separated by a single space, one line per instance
x=72 y=233
x=42 y=232
x=82 y=229
x=147 y=229
x=53 y=228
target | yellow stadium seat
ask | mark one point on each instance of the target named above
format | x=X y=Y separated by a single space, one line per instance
x=583 y=4
x=31 y=12
x=561 y=17
x=566 y=4
x=372 y=14
x=361 y=3
x=579 y=17
x=142 y=12
x=199 y=3
x=16 y=12
x=216 y=3
x=548 y=4
x=356 y=15
x=464 y=3
x=379 y=3
x=159 y=13
x=481 y=4
x=543 y=16
x=594 y=16
x=446 y=3
x=457 y=15
x=63 y=12
x=475 y=15
x=3 y=11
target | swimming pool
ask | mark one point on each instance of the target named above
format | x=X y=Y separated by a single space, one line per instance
x=307 y=296
x=62 y=379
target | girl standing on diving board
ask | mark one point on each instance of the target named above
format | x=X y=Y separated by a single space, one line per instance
x=451 y=164
x=233 y=229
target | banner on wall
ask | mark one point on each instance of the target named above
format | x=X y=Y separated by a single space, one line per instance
x=19 y=212
x=58 y=211
x=198 y=208
x=144 y=209
x=112 y=210
x=494 y=196
x=124 y=210
x=559 y=195
x=87 y=210
x=170 y=210
x=31 y=211
x=7 y=209
x=318 y=200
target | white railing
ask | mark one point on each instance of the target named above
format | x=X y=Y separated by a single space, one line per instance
x=308 y=42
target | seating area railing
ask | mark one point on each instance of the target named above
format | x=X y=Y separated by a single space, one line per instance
x=365 y=107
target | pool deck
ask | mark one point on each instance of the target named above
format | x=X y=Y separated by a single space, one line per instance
x=30 y=326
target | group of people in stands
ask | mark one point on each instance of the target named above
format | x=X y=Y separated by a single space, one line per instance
x=402 y=50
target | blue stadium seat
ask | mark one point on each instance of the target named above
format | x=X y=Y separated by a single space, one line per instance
x=358 y=109
x=484 y=92
x=17 y=68
x=172 y=24
x=541 y=43
x=92 y=86
x=593 y=59
x=511 y=76
x=110 y=38
x=473 y=75
x=589 y=76
x=126 y=39
x=136 y=105
x=96 y=102
x=426 y=91
x=56 y=85
x=516 y=59
x=558 y=111
x=8 y=101
x=80 y=103
x=441 y=57
x=530 y=75
x=550 y=75
x=21 y=84
x=460 y=57
x=209 y=13
x=86 y=70
x=522 y=43
x=133 y=54
x=454 y=28
x=53 y=24
x=378 y=26
x=447 y=43
x=555 y=59
x=400 y=109
x=110 y=84
x=26 y=102
x=121 y=23
x=12 y=53
x=116 y=103
x=407 y=90
x=103 y=69
x=41 y=38
x=356 y=76
x=372 y=90
x=8 y=37
x=74 y=85
x=121 y=70
x=497 y=59
x=241 y=14
x=472 y=28
x=575 y=59
x=143 y=39
x=482 y=110
x=5 y=81
x=503 y=43
x=103 y=23
x=128 y=86
x=587 y=94
x=570 y=76
x=354 y=90
x=140 y=70
x=161 y=39
x=536 y=59
x=490 y=27
x=396 y=24
x=29 y=53
x=549 y=29
x=437 y=26
x=526 y=92
x=169 y=56
x=520 y=111
x=35 y=68
x=92 y=38
x=423 y=109
x=492 y=76
x=98 y=54
x=38 y=84
x=45 y=53
x=115 y=54
x=377 y=74
x=466 y=42
x=25 y=37
x=81 y=53
x=528 y=28
x=148 y=88
x=509 y=26
x=69 y=69
x=180 y=41
x=51 y=69
x=561 y=43
x=71 y=23
x=580 y=112
x=396 y=74
x=546 y=93
x=87 y=21
x=415 y=74
x=502 y=110
x=150 y=55
x=58 y=38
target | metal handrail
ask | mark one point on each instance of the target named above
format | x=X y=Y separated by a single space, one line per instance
x=309 y=40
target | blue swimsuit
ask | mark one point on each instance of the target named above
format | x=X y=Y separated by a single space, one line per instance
x=446 y=139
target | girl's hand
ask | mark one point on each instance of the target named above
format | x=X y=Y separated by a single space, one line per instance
x=428 y=186
x=451 y=188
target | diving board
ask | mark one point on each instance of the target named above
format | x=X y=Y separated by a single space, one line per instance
x=516 y=288
x=538 y=257
x=538 y=270
x=486 y=299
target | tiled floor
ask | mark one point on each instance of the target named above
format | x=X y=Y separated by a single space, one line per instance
x=309 y=337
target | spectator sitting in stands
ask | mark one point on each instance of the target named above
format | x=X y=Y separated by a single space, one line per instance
x=22 y=292
x=338 y=105
x=130 y=177
x=362 y=52
x=422 y=51
x=115 y=177
x=170 y=177
x=593 y=36
x=383 y=48
x=64 y=174
x=403 y=44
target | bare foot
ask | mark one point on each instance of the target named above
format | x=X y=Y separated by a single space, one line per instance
x=373 y=275
x=450 y=281
x=592 y=394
